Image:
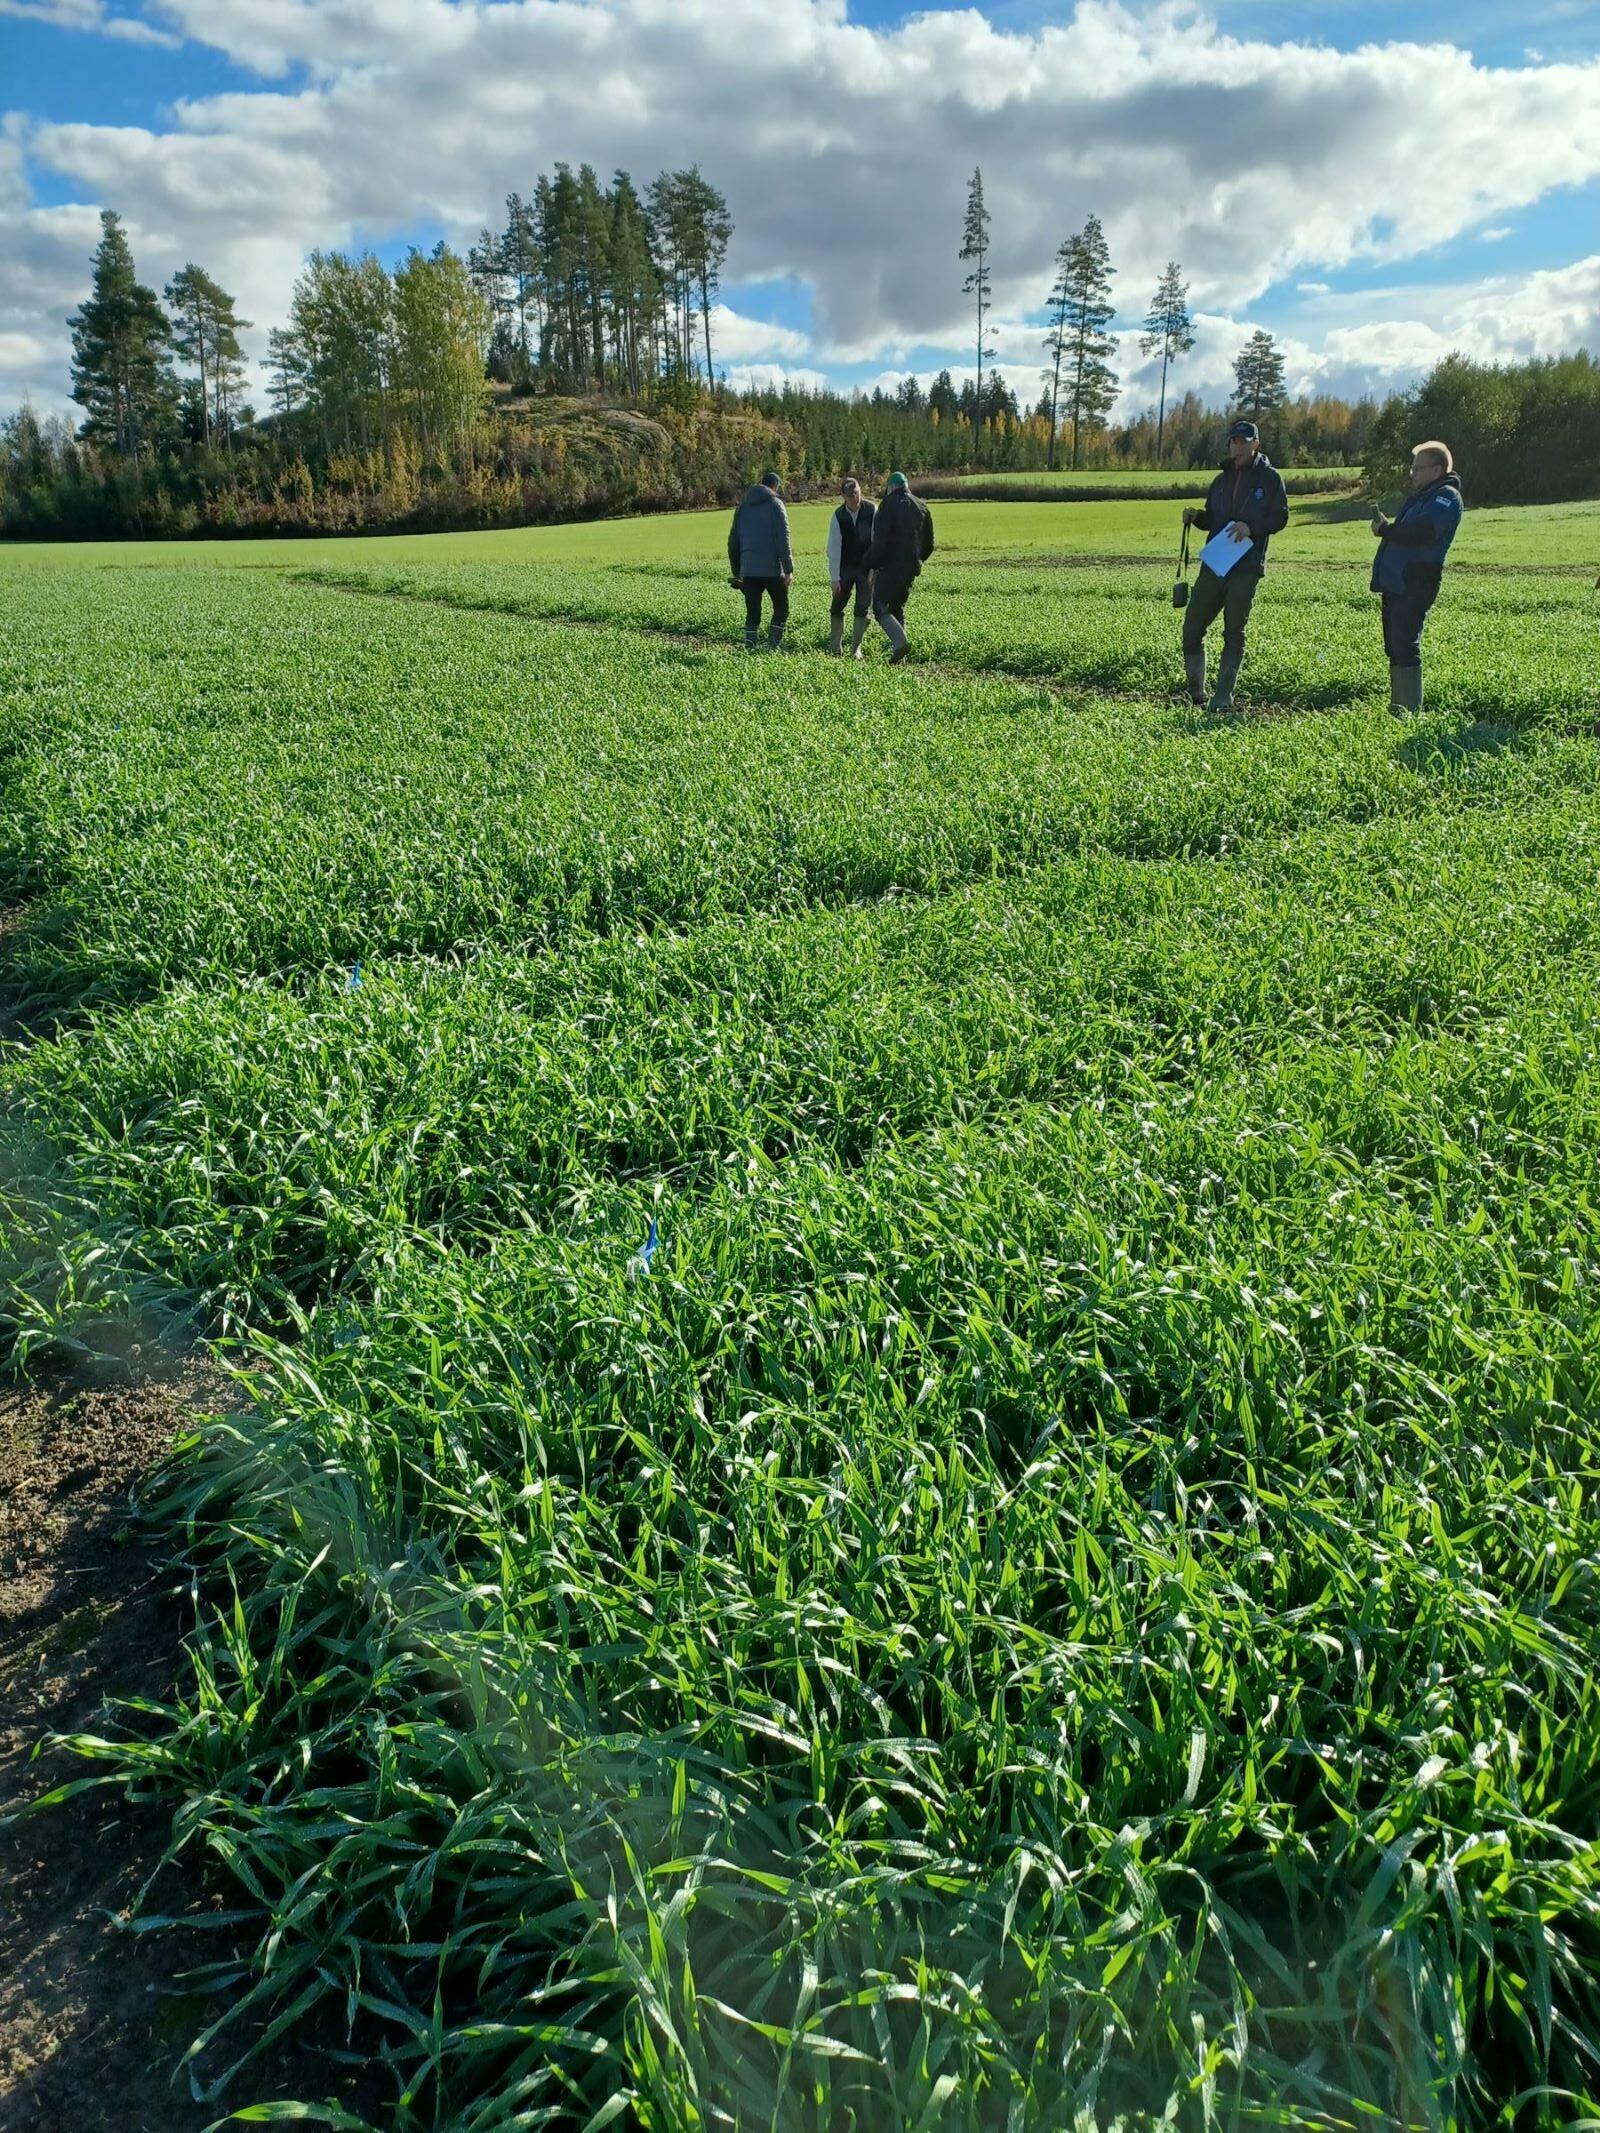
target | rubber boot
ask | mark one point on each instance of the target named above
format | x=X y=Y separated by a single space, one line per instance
x=1227 y=682
x=836 y=636
x=1194 y=670
x=1405 y=688
x=858 y=636
x=775 y=636
x=750 y=640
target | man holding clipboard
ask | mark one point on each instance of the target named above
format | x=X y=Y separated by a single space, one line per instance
x=1246 y=506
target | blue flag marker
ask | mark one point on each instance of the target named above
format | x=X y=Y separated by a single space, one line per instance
x=640 y=1262
x=353 y=982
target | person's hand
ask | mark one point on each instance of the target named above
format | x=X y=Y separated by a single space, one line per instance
x=838 y=587
x=737 y=584
x=1239 y=531
x=788 y=578
x=1192 y=517
x=1380 y=525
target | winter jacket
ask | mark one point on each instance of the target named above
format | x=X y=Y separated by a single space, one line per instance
x=758 y=539
x=1254 y=493
x=849 y=538
x=1410 y=557
x=902 y=537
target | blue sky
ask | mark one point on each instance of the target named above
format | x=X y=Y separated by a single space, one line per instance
x=1316 y=169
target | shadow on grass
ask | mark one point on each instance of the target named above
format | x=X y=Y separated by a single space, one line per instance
x=1433 y=750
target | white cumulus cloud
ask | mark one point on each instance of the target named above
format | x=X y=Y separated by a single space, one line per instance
x=844 y=153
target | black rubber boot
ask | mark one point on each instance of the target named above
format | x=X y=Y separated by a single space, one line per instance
x=1194 y=673
x=1227 y=682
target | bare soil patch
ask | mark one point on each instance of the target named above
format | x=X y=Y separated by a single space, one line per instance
x=91 y=2023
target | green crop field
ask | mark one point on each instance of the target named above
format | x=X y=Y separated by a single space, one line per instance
x=1062 y=1590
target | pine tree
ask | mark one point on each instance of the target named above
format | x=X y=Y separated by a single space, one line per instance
x=1258 y=377
x=1055 y=347
x=975 y=246
x=709 y=229
x=286 y=369
x=1169 y=328
x=519 y=262
x=633 y=286
x=1078 y=340
x=120 y=374
x=205 y=332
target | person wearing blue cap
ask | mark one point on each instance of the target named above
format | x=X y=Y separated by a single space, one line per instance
x=1248 y=503
x=902 y=541
x=761 y=561
x=1409 y=565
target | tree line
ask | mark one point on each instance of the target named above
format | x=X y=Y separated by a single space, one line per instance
x=1080 y=386
x=595 y=288
x=566 y=366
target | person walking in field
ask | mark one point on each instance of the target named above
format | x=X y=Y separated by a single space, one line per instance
x=902 y=541
x=1409 y=565
x=1248 y=503
x=761 y=561
x=849 y=538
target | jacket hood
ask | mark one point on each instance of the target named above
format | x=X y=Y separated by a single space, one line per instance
x=759 y=493
x=1260 y=460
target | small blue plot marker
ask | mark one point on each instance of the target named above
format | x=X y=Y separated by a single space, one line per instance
x=640 y=1262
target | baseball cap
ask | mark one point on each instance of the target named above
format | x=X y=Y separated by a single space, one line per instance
x=897 y=481
x=769 y=480
x=1245 y=429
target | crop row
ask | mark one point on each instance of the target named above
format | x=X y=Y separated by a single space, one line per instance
x=226 y=776
x=1510 y=650
x=239 y=1149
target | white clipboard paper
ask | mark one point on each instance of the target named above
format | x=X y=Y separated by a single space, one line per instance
x=1222 y=551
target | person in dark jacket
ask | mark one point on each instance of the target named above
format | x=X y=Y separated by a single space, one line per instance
x=1248 y=502
x=760 y=559
x=902 y=541
x=849 y=538
x=1409 y=565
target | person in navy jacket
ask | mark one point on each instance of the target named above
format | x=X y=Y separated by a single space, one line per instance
x=1409 y=565
x=1248 y=502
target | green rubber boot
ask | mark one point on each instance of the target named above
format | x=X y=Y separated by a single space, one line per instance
x=1405 y=689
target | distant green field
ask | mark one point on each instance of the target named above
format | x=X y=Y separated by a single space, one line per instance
x=1320 y=530
x=1060 y=1590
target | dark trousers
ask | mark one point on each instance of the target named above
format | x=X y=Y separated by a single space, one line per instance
x=1231 y=597
x=776 y=591
x=860 y=583
x=1403 y=617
